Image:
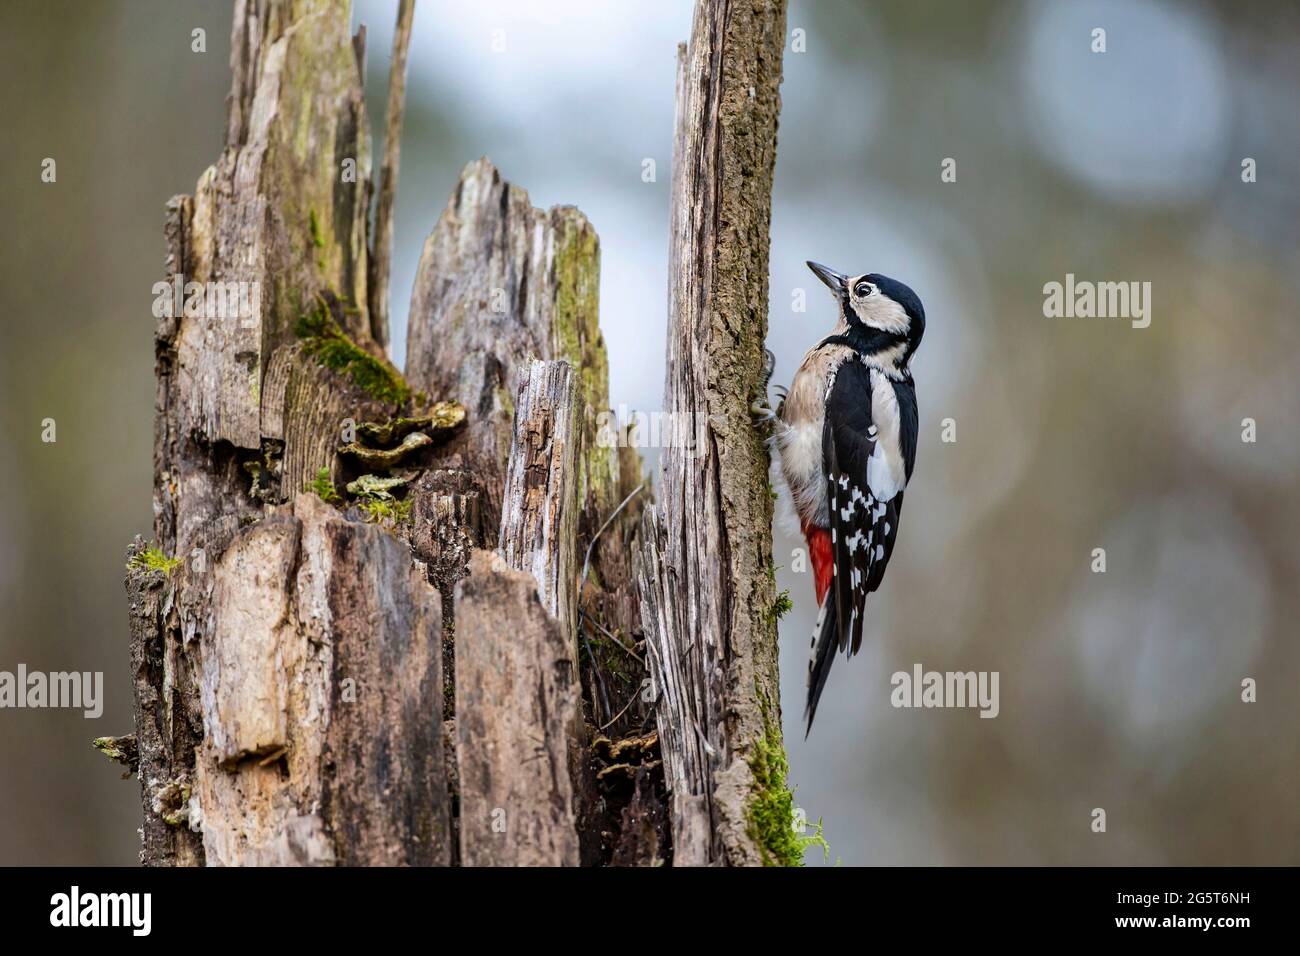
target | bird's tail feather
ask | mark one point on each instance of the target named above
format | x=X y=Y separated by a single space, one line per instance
x=825 y=642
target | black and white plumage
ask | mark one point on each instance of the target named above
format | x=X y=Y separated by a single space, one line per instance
x=847 y=435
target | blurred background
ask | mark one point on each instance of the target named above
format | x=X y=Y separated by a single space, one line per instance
x=1119 y=690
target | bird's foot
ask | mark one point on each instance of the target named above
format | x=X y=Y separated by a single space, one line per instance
x=761 y=409
x=769 y=366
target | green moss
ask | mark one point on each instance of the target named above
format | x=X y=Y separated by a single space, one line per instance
x=323 y=488
x=607 y=656
x=326 y=342
x=771 y=806
x=123 y=750
x=152 y=558
x=783 y=605
x=317 y=239
x=577 y=338
x=386 y=512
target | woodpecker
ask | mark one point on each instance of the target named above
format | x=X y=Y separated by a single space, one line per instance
x=846 y=433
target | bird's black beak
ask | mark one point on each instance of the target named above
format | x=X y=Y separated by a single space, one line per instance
x=838 y=282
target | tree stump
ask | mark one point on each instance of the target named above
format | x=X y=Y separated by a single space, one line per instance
x=397 y=619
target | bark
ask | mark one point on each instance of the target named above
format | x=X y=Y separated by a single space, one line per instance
x=165 y=735
x=707 y=561
x=317 y=679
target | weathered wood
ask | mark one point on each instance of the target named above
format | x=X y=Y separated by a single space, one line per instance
x=321 y=682
x=714 y=568
x=539 y=511
x=445 y=525
x=276 y=213
x=165 y=740
x=307 y=690
x=517 y=709
x=233 y=661
x=680 y=688
x=317 y=402
x=500 y=283
x=641 y=826
x=276 y=210
x=382 y=254
x=539 y=535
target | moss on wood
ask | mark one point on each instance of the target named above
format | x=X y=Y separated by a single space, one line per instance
x=770 y=812
x=323 y=487
x=153 y=558
x=325 y=341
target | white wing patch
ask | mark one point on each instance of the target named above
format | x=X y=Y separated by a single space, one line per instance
x=886 y=471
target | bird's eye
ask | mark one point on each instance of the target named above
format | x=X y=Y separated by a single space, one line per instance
x=862 y=290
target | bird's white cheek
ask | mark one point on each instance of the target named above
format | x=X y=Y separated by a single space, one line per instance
x=879 y=312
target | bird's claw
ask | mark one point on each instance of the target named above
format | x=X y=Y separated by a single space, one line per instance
x=761 y=409
x=769 y=366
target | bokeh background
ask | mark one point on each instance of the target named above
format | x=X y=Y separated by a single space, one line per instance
x=1118 y=690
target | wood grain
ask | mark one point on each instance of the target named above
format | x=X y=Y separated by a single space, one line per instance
x=712 y=531
x=517 y=709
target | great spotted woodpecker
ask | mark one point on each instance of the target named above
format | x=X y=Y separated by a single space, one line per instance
x=846 y=432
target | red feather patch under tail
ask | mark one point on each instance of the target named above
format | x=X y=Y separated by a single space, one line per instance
x=823 y=562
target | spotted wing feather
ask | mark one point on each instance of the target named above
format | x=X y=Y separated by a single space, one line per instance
x=863 y=528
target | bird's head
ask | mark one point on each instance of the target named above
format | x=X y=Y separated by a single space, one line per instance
x=885 y=317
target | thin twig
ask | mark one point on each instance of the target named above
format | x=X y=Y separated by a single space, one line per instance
x=381 y=254
x=626 y=650
x=650 y=713
x=595 y=671
x=586 y=564
x=584 y=616
x=636 y=693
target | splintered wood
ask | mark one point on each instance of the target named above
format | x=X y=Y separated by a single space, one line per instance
x=708 y=582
